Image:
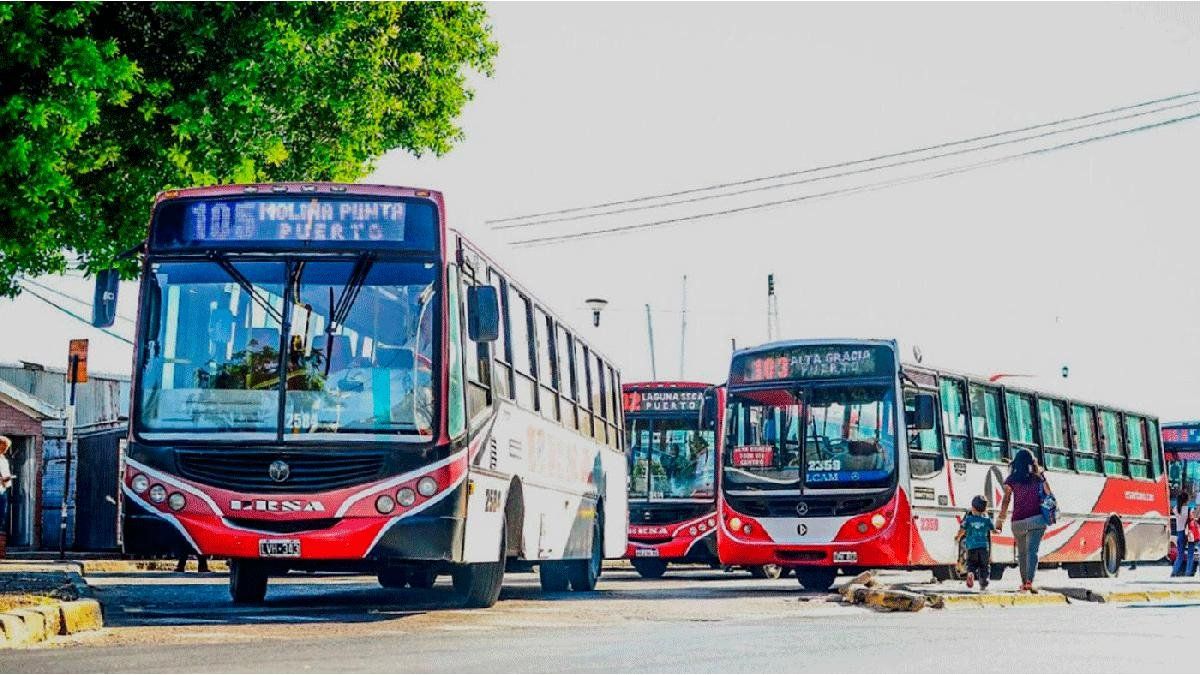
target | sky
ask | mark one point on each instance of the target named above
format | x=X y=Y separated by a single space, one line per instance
x=1076 y=258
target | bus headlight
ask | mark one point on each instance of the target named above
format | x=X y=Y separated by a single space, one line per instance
x=735 y=523
x=406 y=497
x=158 y=494
x=692 y=530
x=746 y=529
x=176 y=501
x=862 y=528
x=878 y=520
x=384 y=504
x=427 y=486
x=712 y=522
x=140 y=483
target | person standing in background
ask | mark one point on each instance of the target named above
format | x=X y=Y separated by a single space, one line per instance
x=6 y=481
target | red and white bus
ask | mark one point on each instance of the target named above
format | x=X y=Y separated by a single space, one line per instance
x=326 y=377
x=814 y=475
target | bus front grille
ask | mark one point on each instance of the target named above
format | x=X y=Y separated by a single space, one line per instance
x=249 y=471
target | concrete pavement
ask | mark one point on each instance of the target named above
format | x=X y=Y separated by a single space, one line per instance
x=698 y=620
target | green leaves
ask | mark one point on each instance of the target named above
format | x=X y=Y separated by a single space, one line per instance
x=105 y=104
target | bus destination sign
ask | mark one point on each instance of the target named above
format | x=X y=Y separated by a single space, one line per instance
x=1181 y=434
x=663 y=400
x=296 y=220
x=813 y=362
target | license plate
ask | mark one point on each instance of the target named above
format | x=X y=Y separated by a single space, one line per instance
x=279 y=548
x=645 y=553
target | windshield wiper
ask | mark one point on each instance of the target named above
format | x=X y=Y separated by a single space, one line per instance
x=345 y=302
x=246 y=285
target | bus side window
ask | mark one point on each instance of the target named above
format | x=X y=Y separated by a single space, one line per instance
x=584 y=391
x=1155 y=445
x=1019 y=417
x=1111 y=443
x=925 y=457
x=614 y=410
x=565 y=344
x=547 y=371
x=954 y=419
x=525 y=387
x=1135 y=446
x=987 y=432
x=1083 y=432
x=1056 y=455
x=502 y=357
x=599 y=408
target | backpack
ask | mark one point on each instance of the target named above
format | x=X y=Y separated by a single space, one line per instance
x=1048 y=503
x=1193 y=530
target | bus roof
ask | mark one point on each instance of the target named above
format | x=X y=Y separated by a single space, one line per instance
x=295 y=187
x=804 y=342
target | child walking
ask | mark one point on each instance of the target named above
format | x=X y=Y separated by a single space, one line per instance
x=975 y=533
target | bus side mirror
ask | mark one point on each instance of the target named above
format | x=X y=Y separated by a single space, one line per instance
x=924 y=412
x=708 y=410
x=104 y=302
x=483 y=313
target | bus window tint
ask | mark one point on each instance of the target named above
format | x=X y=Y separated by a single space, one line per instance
x=850 y=436
x=1110 y=437
x=1019 y=411
x=1053 y=416
x=1135 y=442
x=954 y=419
x=501 y=349
x=1155 y=443
x=1084 y=426
x=522 y=346
x=985 y=423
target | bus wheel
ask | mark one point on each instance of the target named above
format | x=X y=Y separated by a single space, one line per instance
x=818 y=579
x=393 y=577
x=1110 y=554
x=553 y=575
x=650 y=568
x=765 y=571
x=480 y=582
x=247 y=581
x=584 y=574
x=943 y=573
x=422 y=578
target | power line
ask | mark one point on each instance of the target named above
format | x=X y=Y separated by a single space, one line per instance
x=840 y=165
x=73 y=315
x=843 y=174
x=68 y=296
x=869 y=187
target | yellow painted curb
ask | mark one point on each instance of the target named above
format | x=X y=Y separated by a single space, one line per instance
x=13 y=630
x=1147 y=596
x=80 y=615
x=35 y=624
x=120 y=566
x=951 y=601
x=52 y=617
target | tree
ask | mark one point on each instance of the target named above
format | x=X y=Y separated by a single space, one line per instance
x=104 y=105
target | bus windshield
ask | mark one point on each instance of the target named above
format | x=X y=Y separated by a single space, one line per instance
x=670 y=458
x=357 y=358
x=840 y=436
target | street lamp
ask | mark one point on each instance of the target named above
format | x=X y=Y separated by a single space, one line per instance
x=596 y=304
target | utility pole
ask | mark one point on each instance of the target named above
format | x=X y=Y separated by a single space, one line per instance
x=772 y=310
x=650 y=335
x=76 y=373
x=683 y=329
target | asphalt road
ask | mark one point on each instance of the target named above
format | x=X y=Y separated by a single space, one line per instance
x=696 y=621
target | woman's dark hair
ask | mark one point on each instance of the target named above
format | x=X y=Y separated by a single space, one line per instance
x=1022 y=468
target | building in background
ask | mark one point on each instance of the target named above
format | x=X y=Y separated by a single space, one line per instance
x=32 y=403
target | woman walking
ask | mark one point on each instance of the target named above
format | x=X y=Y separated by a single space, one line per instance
x=1185 y=550
x=1025 y=487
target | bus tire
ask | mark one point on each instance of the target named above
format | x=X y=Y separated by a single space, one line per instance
x=650 y=568
x=553 y=576
x=393 y=577
x=1111 y=553
x=247 y=581
x=765 y=571
x=479 y=583
x=817 y=579
x=583 y=574
x=422 y=578
x=943 y=573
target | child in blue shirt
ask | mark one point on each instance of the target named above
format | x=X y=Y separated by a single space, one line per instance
x=975 y=533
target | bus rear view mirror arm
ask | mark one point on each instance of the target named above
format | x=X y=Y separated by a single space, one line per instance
x=924 y=414
x=483 y=313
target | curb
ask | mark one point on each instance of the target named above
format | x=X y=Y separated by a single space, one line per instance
x=30 y=625
x=1087 y=595
x=119 y=566
x=958 y=601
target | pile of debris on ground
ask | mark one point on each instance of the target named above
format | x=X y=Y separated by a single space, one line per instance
x=865 y=589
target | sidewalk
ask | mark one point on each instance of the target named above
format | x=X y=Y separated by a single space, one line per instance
x=41 y=600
